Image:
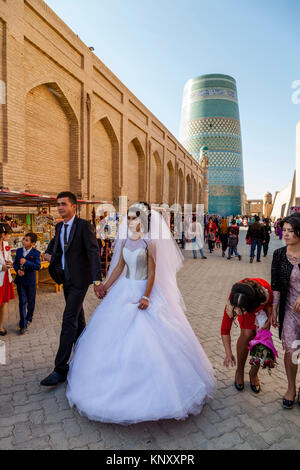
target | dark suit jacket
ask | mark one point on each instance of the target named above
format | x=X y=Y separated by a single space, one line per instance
x=33 y=264
x=280 y=280
x=255 y=231
x=81 y=256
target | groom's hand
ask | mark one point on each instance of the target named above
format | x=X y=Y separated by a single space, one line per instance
x=100 y=291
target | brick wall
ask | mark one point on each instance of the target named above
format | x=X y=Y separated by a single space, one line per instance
x=69 y=123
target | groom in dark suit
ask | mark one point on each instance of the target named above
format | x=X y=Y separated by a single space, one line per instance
x=74 y=262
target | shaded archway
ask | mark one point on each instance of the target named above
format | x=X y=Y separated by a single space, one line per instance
x=170 y=175
x=156 y=179
x=105 y=161
x=188 y=190
x=200 y=194
x=51 y=141
x=136 y=172
x=181 y=188
x=194 y=192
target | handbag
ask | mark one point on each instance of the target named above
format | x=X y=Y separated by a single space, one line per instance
x=248 y=242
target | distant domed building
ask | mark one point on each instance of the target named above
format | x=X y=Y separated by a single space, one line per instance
x=210 y=118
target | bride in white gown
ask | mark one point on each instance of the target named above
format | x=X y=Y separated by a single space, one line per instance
x=138 y=359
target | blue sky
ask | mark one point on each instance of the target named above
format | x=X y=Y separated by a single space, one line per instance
x=155 y=46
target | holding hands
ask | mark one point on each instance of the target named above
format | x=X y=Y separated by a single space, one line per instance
x=100 y=290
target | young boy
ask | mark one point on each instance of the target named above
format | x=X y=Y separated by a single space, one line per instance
x=232 y=244
x=211 y=240
x=27 y=262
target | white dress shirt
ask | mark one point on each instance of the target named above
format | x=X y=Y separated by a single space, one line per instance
x=25 y=252
x=62 y=232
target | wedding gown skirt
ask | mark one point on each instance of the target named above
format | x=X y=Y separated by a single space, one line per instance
x=133 y=365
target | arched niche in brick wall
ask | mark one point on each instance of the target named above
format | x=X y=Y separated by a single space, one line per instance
x=170 y=183
x=51 y=140
x=105 y=161
x=156 y=179
x=200 y=198
x=136 y=172
x=181 y=188
x=189 y=190
x=194 y=192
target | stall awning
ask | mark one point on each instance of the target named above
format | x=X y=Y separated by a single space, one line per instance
x=16 y=198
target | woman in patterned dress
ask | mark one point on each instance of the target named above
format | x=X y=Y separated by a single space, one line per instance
x=286 y=305
x=6 y=284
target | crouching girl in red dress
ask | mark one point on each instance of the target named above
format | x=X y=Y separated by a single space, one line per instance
x=250 y=301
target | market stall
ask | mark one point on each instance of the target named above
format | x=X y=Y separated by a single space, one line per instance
x=26 y=212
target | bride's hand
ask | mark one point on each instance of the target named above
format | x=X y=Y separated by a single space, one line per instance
x=144 y=304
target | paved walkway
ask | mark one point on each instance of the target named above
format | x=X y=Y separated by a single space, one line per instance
x=35 y=418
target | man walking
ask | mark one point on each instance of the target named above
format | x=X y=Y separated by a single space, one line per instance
x=256 y=234
x=74 y=262
x=195 y=234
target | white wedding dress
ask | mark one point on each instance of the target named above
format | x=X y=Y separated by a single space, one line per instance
x=132 y=365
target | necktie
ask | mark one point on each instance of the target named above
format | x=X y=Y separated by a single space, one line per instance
x=67 y=274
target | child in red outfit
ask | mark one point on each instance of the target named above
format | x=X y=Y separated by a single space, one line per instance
x=247 y=298
x=6 y=284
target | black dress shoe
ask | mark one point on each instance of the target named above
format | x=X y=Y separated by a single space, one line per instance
x=255 y=388
x=3 y=333
x=239 y=387
x=287 y=404
x=53 y=379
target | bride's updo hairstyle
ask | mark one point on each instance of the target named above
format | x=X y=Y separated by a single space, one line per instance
x=247 y=295
x=143 y=211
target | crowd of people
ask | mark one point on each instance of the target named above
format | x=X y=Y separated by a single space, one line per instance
x=222 y=233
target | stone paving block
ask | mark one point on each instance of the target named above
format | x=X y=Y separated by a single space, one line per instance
x=38 y=443
x=5 y=431
x=59 y=441
x=226 y=441
x=16 y=418
x=71 y=428
x=85 y=439
x=254 y=440
x=6 y=443
x=287 y=444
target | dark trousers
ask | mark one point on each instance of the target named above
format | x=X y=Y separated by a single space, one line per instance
x=224 y=241
x=266 y=248
x=27 y=296
x=73 y=324
x=255 y=243
x=211 y=245
x=183 y=241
